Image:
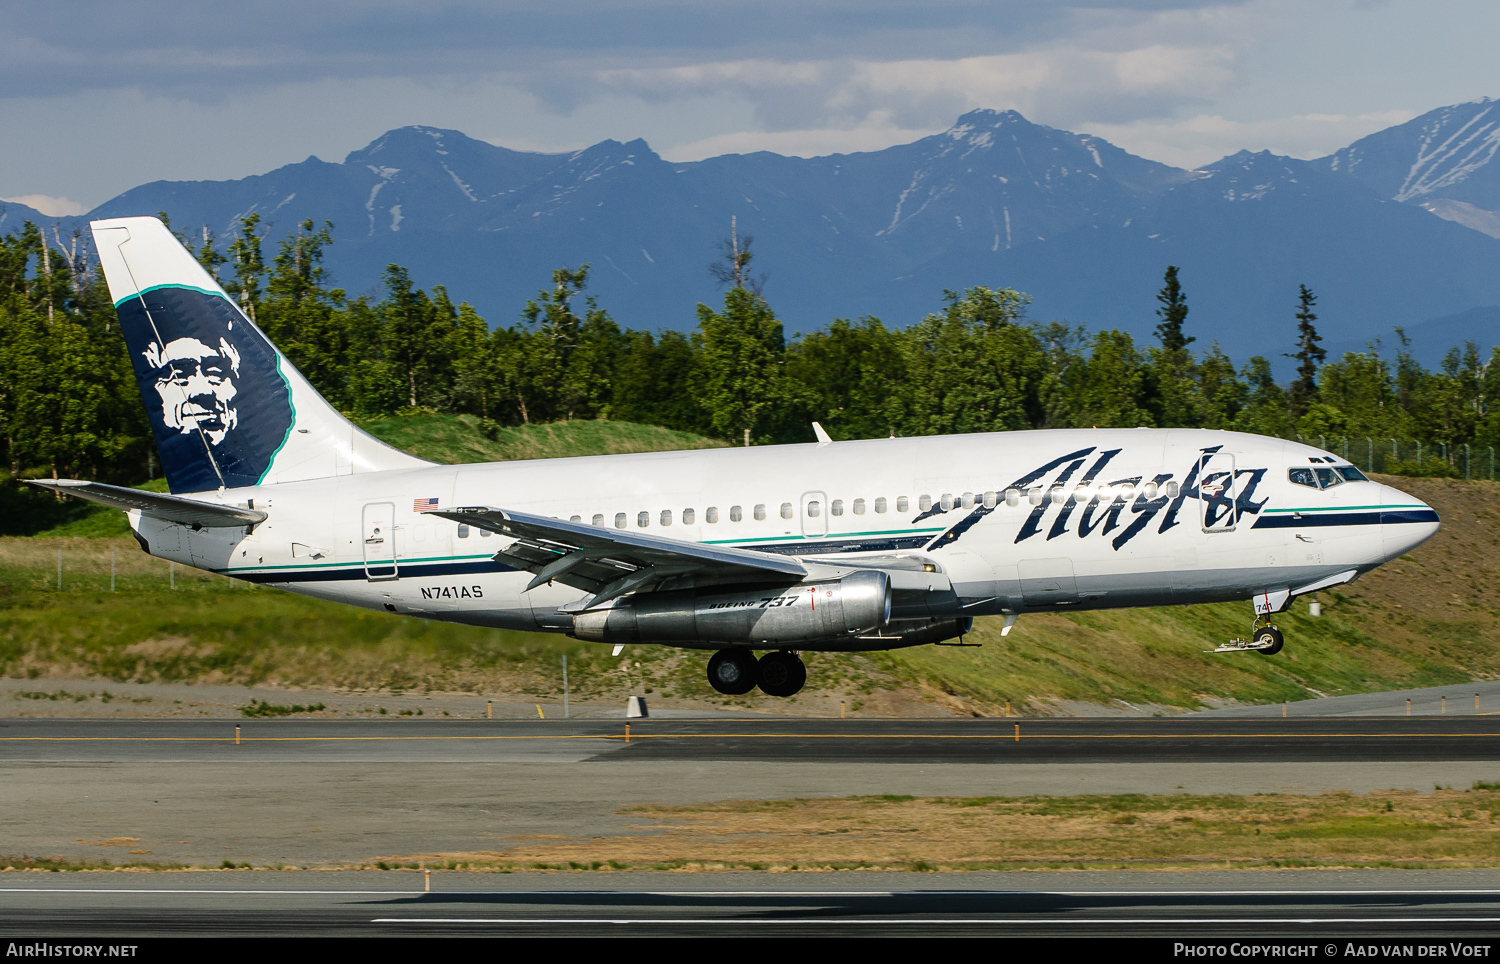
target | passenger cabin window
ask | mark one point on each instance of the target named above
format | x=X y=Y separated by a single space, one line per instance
x=1149 y=490
x=946 y=501
x=760 y=512
x=666 y=517
x=1302 y=476
x=619 y=520
x=1034 y=495
x=1013 y=497
x=903 y=504
x=1350 y=473
x=968 y=500
x=642 y=519
x=711 y=515
x=598 y=518
x=836 y=507
x=1328 y=478
x=813 y=510
x=575 y=518
x=736 y=513
x=1173 y=489
x=859 y=506
x=924 y=503
x=463 y=531
x=484 y=533
x=787 y=511
x=688 y=515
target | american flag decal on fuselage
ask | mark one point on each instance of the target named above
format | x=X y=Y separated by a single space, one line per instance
x=424 y=505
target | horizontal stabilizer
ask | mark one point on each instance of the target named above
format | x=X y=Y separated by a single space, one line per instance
x=172 y=508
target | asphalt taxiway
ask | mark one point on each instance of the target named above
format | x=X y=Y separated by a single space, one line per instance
x=761 y=741
x=1250 y=906
x=340 y=793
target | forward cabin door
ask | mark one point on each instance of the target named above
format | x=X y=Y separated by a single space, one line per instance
x=380 y=541
x=1217 y=492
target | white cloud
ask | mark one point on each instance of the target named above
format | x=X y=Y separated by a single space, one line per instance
x=52 y=207
x=1195 y=141
x=1060 y=85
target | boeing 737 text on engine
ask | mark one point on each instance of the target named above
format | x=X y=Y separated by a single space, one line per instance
x=827 y=546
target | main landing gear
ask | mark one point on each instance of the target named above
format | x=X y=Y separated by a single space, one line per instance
x=735 y=672
x=1264 y=639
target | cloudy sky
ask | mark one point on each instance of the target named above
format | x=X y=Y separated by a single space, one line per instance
x=97 y=96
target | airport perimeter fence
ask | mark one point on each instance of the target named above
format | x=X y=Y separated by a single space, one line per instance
x=1410 y=457
x=78 y=565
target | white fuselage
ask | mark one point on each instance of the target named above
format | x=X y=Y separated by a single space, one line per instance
x=1075 y=537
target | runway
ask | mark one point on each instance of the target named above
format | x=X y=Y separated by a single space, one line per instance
x=1193 y=906
x=1169 y=740
x=338 y=793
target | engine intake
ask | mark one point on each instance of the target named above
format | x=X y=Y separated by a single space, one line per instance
x=857 y=604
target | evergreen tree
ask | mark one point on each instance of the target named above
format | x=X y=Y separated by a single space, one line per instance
x=1309 y=355
x=1173 y=313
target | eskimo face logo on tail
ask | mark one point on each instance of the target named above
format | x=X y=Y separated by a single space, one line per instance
x=219 y=407
x=196 y=385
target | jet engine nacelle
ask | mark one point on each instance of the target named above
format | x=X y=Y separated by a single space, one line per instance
x=858 y=603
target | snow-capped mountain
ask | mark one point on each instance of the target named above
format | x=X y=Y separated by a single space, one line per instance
x=1442 y=161
x=1085 y=227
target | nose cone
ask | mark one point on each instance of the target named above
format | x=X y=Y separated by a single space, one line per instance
x=1405 y=522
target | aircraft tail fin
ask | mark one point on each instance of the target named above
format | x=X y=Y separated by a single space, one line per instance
x=226 y=408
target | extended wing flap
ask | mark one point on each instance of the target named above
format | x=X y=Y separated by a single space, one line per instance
x=172 y=508
x=600 y=560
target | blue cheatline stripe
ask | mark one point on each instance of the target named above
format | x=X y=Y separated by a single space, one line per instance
x=340 y=572
x=1395 y=517
x=406 y=570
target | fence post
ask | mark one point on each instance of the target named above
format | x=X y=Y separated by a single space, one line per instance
x=1371 y=466
x=1492 y=463
x=1466 y=461
x=566 y=714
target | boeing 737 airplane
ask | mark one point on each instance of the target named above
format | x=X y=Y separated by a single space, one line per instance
x=826 y=546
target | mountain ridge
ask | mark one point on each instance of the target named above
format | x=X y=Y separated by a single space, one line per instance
x=1081 y=224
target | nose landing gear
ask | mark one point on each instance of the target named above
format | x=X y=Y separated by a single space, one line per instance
x=735 y=672
x=1264 y=639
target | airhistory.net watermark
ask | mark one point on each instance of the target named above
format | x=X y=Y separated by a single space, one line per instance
x=44 y=949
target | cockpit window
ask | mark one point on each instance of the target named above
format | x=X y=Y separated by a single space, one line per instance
x=1328 y=478
x=1351 y=474
x=1301 y=476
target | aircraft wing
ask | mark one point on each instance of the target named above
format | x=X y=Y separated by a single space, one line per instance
x=612 y=562
x=173 y=508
